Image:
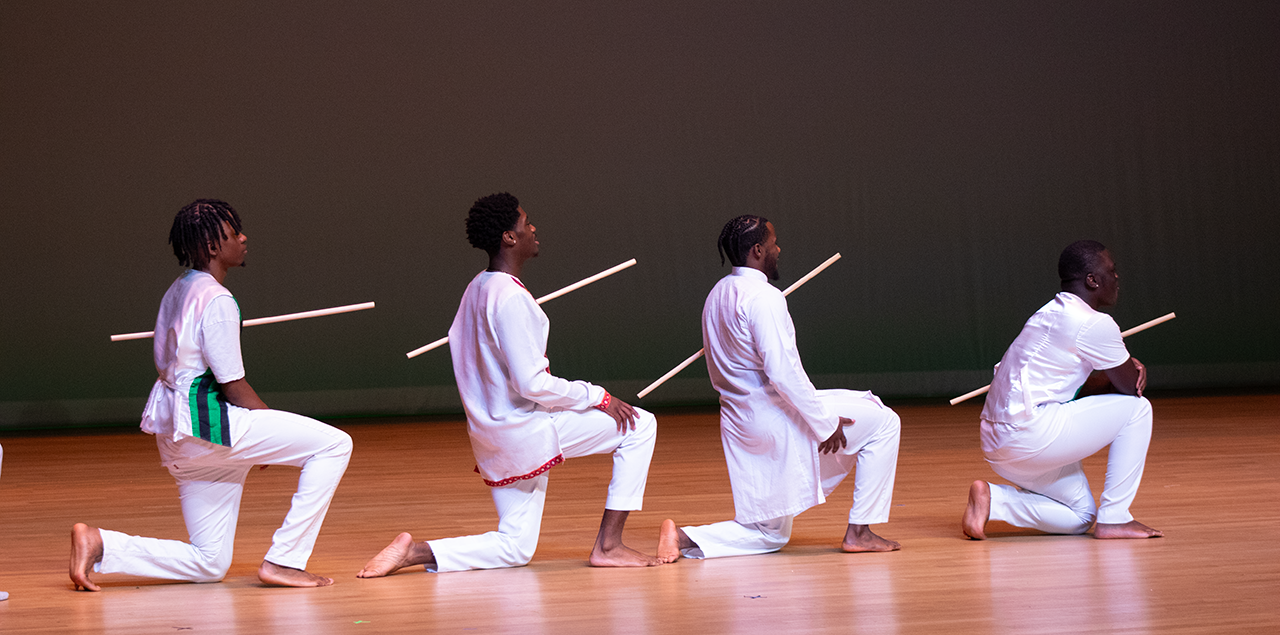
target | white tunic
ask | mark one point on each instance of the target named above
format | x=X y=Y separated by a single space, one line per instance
x=771 y=420
x=196 y=348
x=1051 y=358
x=498 y=342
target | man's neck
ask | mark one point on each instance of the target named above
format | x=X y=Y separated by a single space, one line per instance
x=1082 y=292
x=505 y=262
x=219 y=273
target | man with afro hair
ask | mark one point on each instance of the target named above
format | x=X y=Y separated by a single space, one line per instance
x=523 y=420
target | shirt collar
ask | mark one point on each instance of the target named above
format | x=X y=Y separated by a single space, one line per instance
x=750 y=272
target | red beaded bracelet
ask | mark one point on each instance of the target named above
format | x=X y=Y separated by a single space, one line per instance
x=604 y=403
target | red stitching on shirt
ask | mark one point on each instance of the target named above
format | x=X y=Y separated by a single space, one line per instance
x=507 y=481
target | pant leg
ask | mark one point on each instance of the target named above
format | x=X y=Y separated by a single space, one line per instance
x=872 y=448
x=209 y=493
x=587 y=432
x=276 y=437
x=519 y=506
x=732 y=538
x=1057 y=501
x=1054 y=484
x=1126 y=461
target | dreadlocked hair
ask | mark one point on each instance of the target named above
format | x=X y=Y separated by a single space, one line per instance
x=489 y=218
x=739 y=236
x=1079 y=259
x=198 y=227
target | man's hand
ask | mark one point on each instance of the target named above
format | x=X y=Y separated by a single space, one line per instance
x=622 y=413
x=837 y=440
x=1129 y=378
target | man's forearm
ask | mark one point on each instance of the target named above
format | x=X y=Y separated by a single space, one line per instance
x=240 y=393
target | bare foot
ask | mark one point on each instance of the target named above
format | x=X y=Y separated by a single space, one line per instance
x=669 y=536
x=276 y=575
x=402 y=552
x=621 y=556
x=1131 y=529
x=978 y=512
x=860 y=538
x=86 y=551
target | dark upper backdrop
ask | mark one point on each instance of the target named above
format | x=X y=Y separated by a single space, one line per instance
x=948 y=150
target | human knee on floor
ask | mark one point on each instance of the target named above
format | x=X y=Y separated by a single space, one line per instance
x=211 y=567
x=1086 y=521
x=517 y=550
x=1087 y=514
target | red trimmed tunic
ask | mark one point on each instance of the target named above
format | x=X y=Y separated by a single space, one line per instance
x=498 y=342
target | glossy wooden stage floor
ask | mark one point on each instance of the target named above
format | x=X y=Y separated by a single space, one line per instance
x=1210 y=484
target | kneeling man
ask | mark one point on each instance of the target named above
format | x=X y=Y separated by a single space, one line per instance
x=787 y=445
x=523 y=420
x=211 y=428
x=1036 y=429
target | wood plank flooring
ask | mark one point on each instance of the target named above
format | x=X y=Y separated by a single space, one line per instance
x=1211 y=484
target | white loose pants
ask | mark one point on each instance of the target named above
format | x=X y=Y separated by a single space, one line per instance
x=872 y=449
x=520 y=504
x=210 y=481
x=1043 y=458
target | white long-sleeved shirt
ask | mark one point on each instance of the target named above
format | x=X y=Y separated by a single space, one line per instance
x=498 y=342
x=771 y=420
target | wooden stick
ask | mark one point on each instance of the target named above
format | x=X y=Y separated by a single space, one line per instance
x=809 y=276
x=266 y=320
x=550 y=296
x=685 y=364
x=582 y=283
x=671 y=373
x=1146 y=325
x=1137 y=329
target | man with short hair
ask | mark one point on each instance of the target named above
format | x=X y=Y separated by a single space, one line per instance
x=1036 y=430
x=211 y=428
x=787 y=445
x=523 y=420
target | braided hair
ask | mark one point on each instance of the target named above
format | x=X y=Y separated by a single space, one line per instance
x=489 y=218
x=198 y=227
x=1079 y=260
x=739 y=236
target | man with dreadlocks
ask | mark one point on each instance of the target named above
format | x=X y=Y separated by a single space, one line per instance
x=1036 y=428
x=523 y=420
x=787 y=445
x=211 y=428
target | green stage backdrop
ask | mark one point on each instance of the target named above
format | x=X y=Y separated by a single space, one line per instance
x=947 y=150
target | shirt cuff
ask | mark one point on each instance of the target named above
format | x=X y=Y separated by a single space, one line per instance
x=604 y=403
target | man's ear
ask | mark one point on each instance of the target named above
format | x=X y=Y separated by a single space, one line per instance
x=508 y=238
